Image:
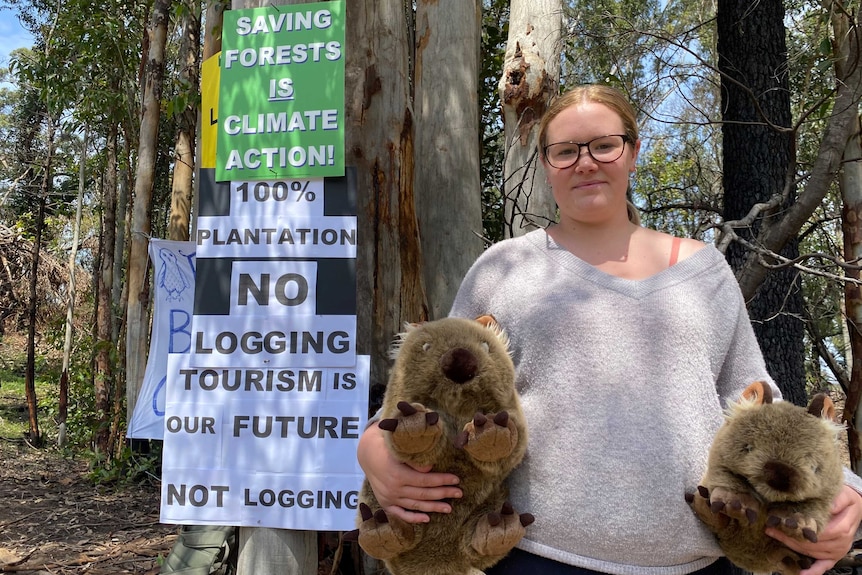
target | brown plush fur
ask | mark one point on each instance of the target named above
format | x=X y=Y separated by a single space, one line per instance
x=451 y=403
x=770 y=464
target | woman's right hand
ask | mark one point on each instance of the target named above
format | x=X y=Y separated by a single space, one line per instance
x=403 y=491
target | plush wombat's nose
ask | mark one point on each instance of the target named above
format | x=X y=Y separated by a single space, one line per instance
x=779 y=476
x=459 y=365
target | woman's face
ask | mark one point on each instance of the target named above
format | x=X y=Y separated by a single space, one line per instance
x=589 y=191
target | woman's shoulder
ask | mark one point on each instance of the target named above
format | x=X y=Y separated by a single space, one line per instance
x=688 y=246
x=504 y=256
x=528 y=241
x=675 y=247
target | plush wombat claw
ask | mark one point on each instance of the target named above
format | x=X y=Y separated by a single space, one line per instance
x=431 y=417
x=406 y=408
x=499 y=531
x=794 y=525
x=743 y=507
x=524 y=518
x=380 y=537
x=488 y=440
x=415 y=431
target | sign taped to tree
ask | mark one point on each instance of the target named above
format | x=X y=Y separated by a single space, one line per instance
x=281 y=93
x=264 y=410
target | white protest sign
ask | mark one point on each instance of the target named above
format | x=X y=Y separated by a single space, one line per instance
x=173 y=298
x=312 y=502
x=264 y=412
x=236 y=440
x=273 y=341
x=273 y=198
x=280 y=236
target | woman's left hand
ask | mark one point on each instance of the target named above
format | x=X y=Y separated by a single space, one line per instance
x=835 y=540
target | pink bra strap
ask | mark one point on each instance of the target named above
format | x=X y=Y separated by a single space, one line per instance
x=674 y=251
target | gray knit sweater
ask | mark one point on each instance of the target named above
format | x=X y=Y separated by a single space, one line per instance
x=623 y=385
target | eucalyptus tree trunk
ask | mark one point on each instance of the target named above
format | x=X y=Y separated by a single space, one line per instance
x=264 y=550
x=446 y=108
x=531 y=76
x=184 y=148
x=103 y=368
x=137 y=309
x=776 y=232
x=33 y=434
x=379 y=143
x=757 y=149
x=850 y=184
x=63 y=401
x=213 y=27
x=119 y=293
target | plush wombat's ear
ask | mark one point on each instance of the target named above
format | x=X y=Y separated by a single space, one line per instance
x=488 y=320
x=821 y=405
x=398 y=339
x=758 y=393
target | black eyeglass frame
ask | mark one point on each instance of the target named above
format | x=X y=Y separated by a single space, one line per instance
x=625 y=137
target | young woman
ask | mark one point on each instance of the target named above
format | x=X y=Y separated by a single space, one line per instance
x=628 y=344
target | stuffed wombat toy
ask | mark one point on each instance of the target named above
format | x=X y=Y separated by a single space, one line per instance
x=451 y=403
x=771 y=464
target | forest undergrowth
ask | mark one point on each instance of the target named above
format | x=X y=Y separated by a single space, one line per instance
x=55 y=517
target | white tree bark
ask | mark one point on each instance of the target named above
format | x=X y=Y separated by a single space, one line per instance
x=531 y=76
x=137 y=309
x=446 y=110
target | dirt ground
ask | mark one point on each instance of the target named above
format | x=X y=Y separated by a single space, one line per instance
x=54 y=521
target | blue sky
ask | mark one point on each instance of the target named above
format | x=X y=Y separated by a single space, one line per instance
x=12 y=35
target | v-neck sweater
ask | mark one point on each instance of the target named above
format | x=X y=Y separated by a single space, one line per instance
x=623 y=384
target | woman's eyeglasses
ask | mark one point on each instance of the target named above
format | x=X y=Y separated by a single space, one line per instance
x=604 y=149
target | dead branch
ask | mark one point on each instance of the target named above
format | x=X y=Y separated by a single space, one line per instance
x=774 y=261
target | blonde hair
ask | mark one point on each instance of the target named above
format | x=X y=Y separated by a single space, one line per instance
x=597 y=94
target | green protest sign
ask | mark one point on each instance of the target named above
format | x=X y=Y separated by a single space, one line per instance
x=281 y=93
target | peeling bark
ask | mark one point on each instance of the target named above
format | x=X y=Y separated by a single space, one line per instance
x=850 y=184
x=103 y=372
x=184 y=148
x=531 y=72
x=379 y=135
